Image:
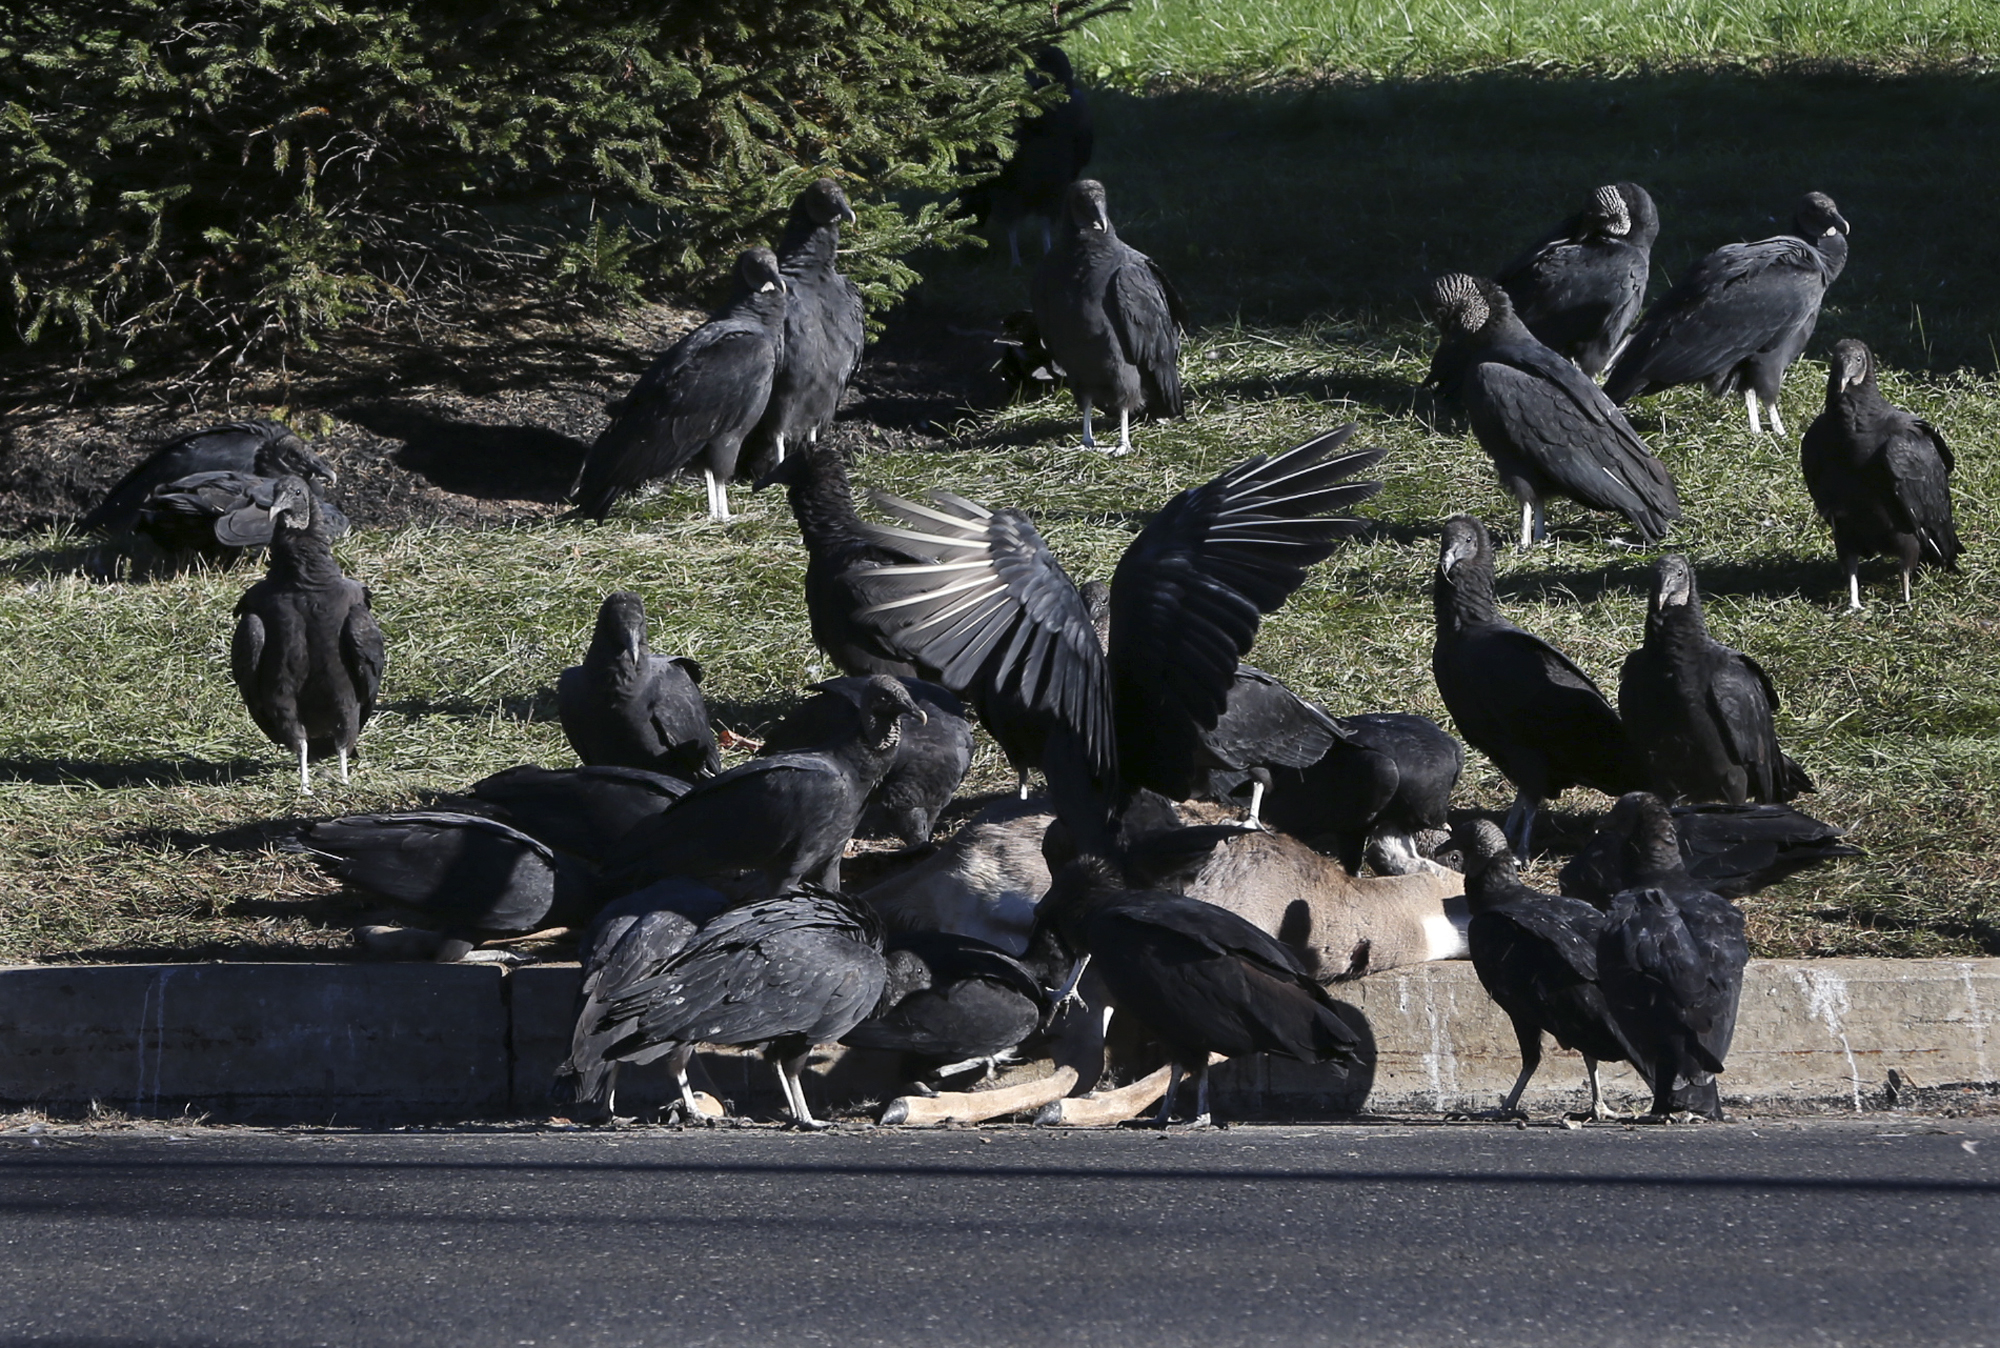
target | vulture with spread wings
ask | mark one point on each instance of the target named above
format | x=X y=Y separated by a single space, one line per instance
x=998 y=619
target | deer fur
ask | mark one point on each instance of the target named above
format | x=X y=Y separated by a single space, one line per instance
x=1344 y=926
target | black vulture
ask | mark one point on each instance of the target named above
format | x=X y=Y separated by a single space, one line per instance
x=931 y=759
x=952 y=1003
x=1000 y=621
x=760 y=828
x=627 y=707
x=1739 y=317
x=1387 y=780
x=1536 y=955
x=1670 y=961
x=1699 y=716
x=1264 y=726
x=1581 y=285
x=221 y=515
x=1878 y=475
x=782 y=974
x=824 y=330
x=233 y=447
x=1024 y=364
x=1050 y=149
x=815 y=481
x=307 y=653
x=1202 y=979
x=637 y=933
x=1109 y=318
x=698 y=402
x=1517 y=699
x=581 y=811
x=1733 y=850
x=1549 y=430
x=471 y=877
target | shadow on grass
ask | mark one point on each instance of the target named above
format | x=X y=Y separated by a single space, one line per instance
x=1395 y=397
x=144 y=772
x=1815 y=580
x=539 y=705
x=1279 y=204
x=488 y=462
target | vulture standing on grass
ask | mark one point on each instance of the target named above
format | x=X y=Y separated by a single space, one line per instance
x=1549 y=430
x=931 y=760
x=1579 y=288
x=1671 y=961
x=233 y=447
x=823 y=326
x=1536 y=955
x=815 y=480
x=1050 y=149
x=1739 y=317
x=1733 y=850
x=307 y=653
x=781 y=974
x=1878 y=476
x=1699 y=716
x=1002 y=624
x=698 y=402
x=470 y=877
x=627 y=707
x=1517 y=699
x=582 y=811
x=1109 y=318
x=763 y=827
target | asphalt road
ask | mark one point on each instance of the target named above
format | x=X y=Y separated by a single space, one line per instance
x=1801 y=1232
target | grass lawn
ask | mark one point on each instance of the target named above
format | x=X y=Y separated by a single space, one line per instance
x=1302 y=219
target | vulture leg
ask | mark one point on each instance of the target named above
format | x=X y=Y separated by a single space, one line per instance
x=1777 y=423
x=343 y=767
x=1598 y=1113
x=1530 y=1039
x=1014 y=245
x=795 y=1091
x=781 y=449
x=1024 y=783
x=1167 y=1103
x=1084 y=402
x=718 y=496
x=1124 y=432
x=1750 y=406
x=1527 y=525
x=1906 y=586
x=1201 y=1117
x=1068 y=993
x=678 y=1063
x=1520 y=825
x=1854 y=585
x=1256 y=803
x=305 y=782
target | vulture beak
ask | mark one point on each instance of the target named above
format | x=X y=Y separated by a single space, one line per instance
x=632 y=643
x=847 y=213
x=1674 y=588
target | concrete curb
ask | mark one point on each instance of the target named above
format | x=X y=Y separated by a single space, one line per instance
x=377 y=1043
